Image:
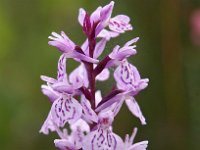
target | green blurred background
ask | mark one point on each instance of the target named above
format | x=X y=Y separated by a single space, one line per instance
x=166 y=56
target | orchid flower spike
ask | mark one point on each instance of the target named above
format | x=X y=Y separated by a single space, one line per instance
x=76 y=101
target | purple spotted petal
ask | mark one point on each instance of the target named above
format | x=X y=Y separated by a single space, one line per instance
x=90 y=115
x=135 y=109
x=102 y=139
x=125 y=77
x=128 y=78
x=66 y=109
x=120 y=24
x=62 y=74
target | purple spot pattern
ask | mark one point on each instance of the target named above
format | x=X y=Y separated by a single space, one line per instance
x=66 y=109
x=61 y=68
x=103 y=139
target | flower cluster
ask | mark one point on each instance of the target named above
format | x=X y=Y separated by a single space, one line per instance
x=76 y=101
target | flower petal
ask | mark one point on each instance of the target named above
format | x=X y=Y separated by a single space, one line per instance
x=85 y=47
x=87 y=110
x=102 y=139
x=81 y=124
x=104 y=75
x=63 y=87
x=64 y=144
x=120 y=24
x=48 y=125
x=76 y=76
x=128 y=78
x=62 y=74
x=139 y=146
x=65 y=109
x=105 y=15
x=117 y=98
x=107 y=34
x=48 y=79
x=98 y=97
x=120 y=54
x=95 y=16
x=82 y=57
x=135 y=109
x=81 y=16
x=62 y=42
x=100 y=46
x=49 y=92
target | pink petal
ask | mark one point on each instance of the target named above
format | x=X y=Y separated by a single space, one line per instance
x=81 y=16
x=139 y=146
x=85 y=47
x=135 y=109
x=107 y=34
x=132 y=41
x=48 y=125
x=102 y=139
x=63 y=87
x=87 y=110
x=61 y=42
x=104 y=75
x=98 y=97
x=128 y=78
x=83 y=57
x=105 y=17
x=100 y=46
x=111 y=101
x=107 y=11
x=76 y=76
x=62 y=74
x=80 y=124
x=120 y=24
x=64 y=144
x=50 y=93
x=48 y=79
x=95 y=16
x=66 y=109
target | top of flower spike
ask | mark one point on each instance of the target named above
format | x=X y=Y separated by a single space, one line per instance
x=102 y=16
